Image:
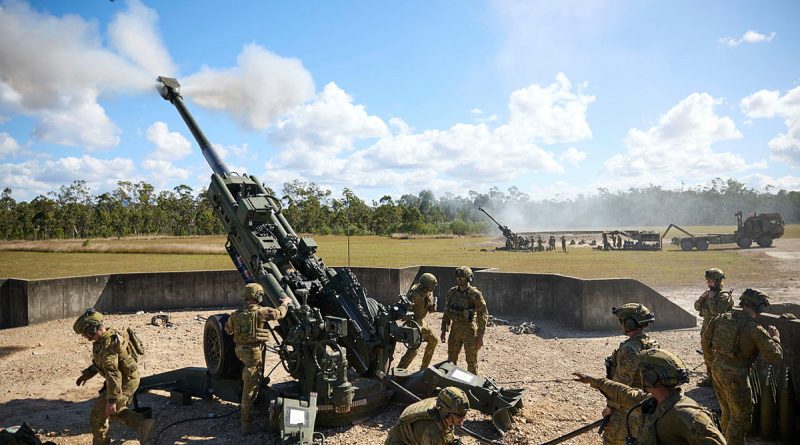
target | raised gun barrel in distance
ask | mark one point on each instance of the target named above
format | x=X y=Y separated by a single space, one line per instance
x=332 y=327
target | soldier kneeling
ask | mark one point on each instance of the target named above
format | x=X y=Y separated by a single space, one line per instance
x=431 y=421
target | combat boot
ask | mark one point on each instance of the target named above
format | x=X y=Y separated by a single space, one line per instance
x=705 y=383
x=145 y=430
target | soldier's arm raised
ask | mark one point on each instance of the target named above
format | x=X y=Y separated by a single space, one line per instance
x=768 y=345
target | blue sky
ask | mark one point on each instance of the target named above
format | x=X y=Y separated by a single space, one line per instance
x=555 y=98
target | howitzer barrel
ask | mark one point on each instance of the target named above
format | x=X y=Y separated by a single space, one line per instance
x=170 y=90
x=490 y=217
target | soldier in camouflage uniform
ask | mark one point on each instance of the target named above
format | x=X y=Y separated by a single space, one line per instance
x=666 y=417
x=115 y=358
x=735 y=339
x=711 y=304
x=247 y=327
x=466 y=310
x=421 y=297
x=623 y=365
x=431 y=421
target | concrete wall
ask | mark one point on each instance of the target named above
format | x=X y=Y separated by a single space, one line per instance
x=583 y=304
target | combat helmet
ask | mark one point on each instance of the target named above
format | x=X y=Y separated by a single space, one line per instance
x=452 y=400
x=88 y=323
x=428 y=281
x=253 y=291
x=754 y=298
x=715 y=274
x=464 y=271
x=660 y=366
x=633 y=315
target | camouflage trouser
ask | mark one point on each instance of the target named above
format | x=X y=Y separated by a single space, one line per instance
x=733 y=392
x=430 y=346
x=707 y=361
x=617 y=429
x=463 y=333
x=98 y=422
x=251 y=379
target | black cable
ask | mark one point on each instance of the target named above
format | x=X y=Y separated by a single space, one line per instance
x=158 y=436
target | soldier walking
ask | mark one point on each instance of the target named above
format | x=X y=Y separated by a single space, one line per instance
x=246 y=324
x=666 y=416
x=466 y=310
x=710 y=305
x=431 y=421
x=422 y=302
x=114 y=356
x=623 y=366
x=736 y=340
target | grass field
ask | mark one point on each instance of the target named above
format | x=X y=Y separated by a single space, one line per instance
x=32 y=260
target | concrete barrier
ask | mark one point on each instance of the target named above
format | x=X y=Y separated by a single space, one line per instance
x=582 y=304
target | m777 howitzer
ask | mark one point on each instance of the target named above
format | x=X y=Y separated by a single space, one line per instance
x=333 y=340
x=513 y=240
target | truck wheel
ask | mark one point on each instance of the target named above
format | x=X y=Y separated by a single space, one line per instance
x=686 y=245
x=744 y=242
x=701 y=244
x=219 y=349
x=764 y=241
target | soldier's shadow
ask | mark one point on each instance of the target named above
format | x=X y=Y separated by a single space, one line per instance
x=58 y=416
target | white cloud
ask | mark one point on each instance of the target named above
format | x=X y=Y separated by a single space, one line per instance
x=678 y=147
x=163 y=173
x=551 y=114
x=40 y=176
x=78 y=120
x=760 y=181
x=476 y=111
x=8 y=145
x=768 y=104
x=572 y=155
x=170 y=145
x=55 y=67
x=333 y=141
x=134 y=34
x=262 y=87
x=749 y=36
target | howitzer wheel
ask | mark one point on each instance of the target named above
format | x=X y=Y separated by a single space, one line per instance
x=764 y=241
x=219 y=349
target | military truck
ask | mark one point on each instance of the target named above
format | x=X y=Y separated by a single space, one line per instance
x=762 y=228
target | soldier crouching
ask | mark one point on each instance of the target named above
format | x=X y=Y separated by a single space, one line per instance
x=115 y=358
x=431 y=421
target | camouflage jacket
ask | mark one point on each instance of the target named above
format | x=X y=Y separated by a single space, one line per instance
x=626 y=362
x=247 y=324
x=678 y=420
x=467 y=306
x=421 y=302
x=713 y=303
x=420 y=424
x=736 y=340
x=113 y=358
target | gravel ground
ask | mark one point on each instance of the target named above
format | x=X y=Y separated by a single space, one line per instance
x=40 y=364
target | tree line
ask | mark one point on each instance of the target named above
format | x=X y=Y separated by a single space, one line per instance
x=135 y=208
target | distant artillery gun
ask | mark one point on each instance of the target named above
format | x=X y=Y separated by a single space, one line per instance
x=514 y=241
x=638 y=240
x=762 y=228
